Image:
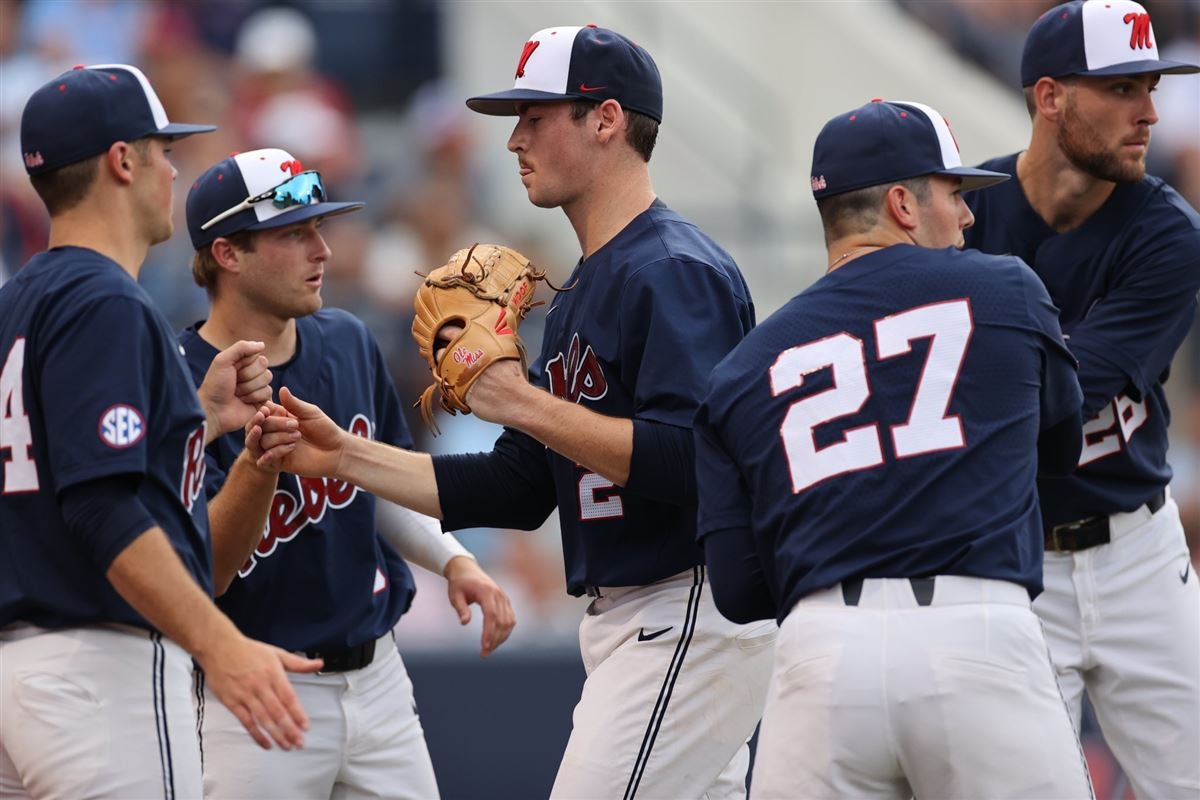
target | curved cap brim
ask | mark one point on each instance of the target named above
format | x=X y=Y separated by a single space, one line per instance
x=1143 y=67
x=973 y=178
x=504 y=104
x=183 y=129
x=304 y=213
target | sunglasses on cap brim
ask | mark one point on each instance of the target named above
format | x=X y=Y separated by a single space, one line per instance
x=303 y=189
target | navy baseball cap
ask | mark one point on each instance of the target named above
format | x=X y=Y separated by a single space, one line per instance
x=256 y=191
x=579 y=63
x=1094 y=37
x=887 y=142
x=82 y=112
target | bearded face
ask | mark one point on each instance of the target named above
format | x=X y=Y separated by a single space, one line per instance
x=1097 y=135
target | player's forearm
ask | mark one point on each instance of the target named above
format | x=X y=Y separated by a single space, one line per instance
x=237 y=517
x=401 y=476
x=152 y=579
x=418 y=537
x=602 y=444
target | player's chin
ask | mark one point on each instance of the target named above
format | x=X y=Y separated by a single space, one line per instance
x=162 y=232
x=310 y=305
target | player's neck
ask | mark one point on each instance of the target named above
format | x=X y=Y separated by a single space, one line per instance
x=608 y=205
x=87 y=225
x=1063 y=195
x=230 y=322
x=841 y=252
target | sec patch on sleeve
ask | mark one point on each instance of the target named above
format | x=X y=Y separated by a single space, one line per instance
x=121 y=426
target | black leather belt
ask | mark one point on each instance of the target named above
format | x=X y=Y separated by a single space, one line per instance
x=346 y=660
x=1084 y=533
x=592 y=591
x=922 y=590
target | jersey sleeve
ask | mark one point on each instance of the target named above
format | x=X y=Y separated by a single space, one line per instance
x=723 y=499
x=510 y=487
x=1060 y=396
x=1131 y=334
x=97 y=362
x=391 y=427
x=677 y=320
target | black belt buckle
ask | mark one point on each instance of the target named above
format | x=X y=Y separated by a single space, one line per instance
x=1078 y=535
x=345 y=660
x=1082 y=534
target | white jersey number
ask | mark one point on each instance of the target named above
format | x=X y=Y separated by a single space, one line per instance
x=591 y=506
x=20 y=471
x=1109 y=431
x=928 y=428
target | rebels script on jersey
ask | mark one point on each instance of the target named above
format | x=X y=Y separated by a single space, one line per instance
x=903 y=394
x=1126 y=281
x=321 y=576
x=91 y=385
x=652 y=312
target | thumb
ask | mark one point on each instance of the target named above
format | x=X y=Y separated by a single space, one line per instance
x=461 y=606
x=294 y=663
x=240 y=351
x=297 y=406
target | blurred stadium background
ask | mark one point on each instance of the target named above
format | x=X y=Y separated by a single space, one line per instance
x=371 y=93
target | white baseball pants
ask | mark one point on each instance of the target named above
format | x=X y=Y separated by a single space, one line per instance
x=891 y=699
x=1123 y=621
x=96 y=712
x=673 y=693
x=365 y=740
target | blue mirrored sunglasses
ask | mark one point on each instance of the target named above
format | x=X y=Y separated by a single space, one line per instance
x=303 y=189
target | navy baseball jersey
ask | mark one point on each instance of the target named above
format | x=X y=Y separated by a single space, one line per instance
x=652 y=312
x=884 y=424
x=92 y=385
x=1126 y=282
x=321 y=577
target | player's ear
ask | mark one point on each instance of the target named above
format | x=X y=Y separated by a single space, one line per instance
x=119 y=160
x=610 y=120
x=227 y=256
x=900 y=204
x=1049 y=98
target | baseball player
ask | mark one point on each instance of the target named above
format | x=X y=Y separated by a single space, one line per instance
x=603 y=432
x=866 y=466
x=1119 y=252
x=299 y=563
x=105 y=583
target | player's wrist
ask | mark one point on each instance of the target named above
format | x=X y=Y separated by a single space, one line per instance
x=460 y=563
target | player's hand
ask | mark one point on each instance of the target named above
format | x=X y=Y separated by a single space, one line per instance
x=236 y=384
x=285 y=431
x=494 y=392
x=313 y=442
x=467 y=584
x=249 y=678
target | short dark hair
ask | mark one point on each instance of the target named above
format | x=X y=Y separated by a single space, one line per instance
x=858 y=211
x=205 y=266
x=64 y=188
x=641 y=132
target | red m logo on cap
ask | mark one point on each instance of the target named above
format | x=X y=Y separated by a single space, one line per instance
x=526 y=52
x=1140 y=35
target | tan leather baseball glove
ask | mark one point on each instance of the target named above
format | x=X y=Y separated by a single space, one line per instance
x=486 y=289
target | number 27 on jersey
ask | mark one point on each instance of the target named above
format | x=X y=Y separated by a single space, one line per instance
x=928 y=429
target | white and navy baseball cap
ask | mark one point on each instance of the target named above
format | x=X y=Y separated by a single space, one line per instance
x=82 y=112
x=886 y=142
x=579 y=63
x=256 y=191
x=1094 y=37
